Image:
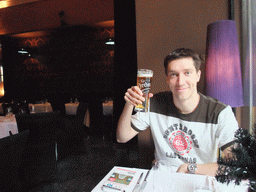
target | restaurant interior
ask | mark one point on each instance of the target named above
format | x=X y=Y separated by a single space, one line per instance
x=55 y=56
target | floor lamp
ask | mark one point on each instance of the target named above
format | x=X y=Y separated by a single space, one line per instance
x=223 y=66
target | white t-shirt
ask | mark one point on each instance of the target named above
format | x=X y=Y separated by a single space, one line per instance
x=187 y=138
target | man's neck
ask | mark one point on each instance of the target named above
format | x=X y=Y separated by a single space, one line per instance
x=187 y=106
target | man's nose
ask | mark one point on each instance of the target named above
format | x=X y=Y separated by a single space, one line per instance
x=181 y=79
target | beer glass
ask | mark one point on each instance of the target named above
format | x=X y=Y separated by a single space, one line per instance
x=144 y=80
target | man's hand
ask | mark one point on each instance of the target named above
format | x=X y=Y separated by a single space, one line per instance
x=183 y=168
x=135 y=96
x=202 y=169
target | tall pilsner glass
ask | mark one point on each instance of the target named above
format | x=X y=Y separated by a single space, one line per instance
x=144 y=80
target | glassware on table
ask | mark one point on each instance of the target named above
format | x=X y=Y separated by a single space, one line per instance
x=32 y=109
x=144 y=80
x=9 y=112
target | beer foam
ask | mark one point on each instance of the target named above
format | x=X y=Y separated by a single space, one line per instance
x=142 y=74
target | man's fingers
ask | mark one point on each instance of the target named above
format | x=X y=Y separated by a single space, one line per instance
x=137 y=90
x=134 y=96
x=136 y=93
x=150 y=95
x=131 y=99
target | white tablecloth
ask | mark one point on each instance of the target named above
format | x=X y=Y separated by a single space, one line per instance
x=164 y=181
x=71 y=108
x=108 y=108
x=40 y=108
x=182 y=182
x=8 y=124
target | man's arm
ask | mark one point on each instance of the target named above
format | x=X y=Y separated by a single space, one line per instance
x=124 y=130
x=208 y=168
x=202 y=169
x=133 y=97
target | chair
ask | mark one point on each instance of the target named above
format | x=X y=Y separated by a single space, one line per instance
x=74 y=124
x=58 y=104
x=12 y=149
x=43 y=127
x=97 y=127
x=24 y=108
x=80 y=113
x=45 y=146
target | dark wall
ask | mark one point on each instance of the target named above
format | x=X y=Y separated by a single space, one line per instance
x=67 y=62
x=125 y=67
x=125 y=62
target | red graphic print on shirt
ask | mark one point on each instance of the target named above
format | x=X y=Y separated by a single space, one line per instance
x=180 y=142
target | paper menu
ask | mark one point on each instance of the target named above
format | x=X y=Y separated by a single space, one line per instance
x=129 y=178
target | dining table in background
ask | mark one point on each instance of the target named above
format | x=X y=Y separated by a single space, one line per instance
x=107 y=107
x=71 y=108
x=40 y=107
x=7 y=124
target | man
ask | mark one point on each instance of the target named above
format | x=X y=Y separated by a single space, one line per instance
x=187 y=127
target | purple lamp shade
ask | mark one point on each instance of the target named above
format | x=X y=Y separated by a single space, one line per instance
x=223 y=67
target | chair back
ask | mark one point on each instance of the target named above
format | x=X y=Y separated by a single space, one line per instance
x=96 y=116
x=43 y=147
x=58 y=105
x=24 y=108
x=80 y=113
x=39 y=124
x=11 y=158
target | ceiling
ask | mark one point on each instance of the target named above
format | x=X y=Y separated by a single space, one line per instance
x=103 y=24
x=10 y=3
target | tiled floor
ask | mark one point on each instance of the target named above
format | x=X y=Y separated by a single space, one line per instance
x=88 y=163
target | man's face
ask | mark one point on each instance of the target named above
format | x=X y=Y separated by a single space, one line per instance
x=182 y=79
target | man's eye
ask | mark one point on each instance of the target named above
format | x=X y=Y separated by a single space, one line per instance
x=172 y=74
x=187 y=73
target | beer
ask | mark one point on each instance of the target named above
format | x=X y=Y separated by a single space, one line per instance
x=144 y=79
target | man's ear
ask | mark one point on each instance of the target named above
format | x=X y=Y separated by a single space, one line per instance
x=199 y=75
